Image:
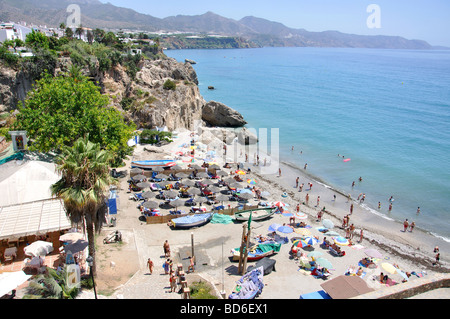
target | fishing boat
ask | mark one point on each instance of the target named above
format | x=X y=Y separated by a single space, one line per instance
x=152 y=164
x=257 y=214
x=258 y=252
x=190 y=221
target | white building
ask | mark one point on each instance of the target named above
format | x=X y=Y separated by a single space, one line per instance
x=11 y=31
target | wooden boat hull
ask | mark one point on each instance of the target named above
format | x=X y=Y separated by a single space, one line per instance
x=197 y=221
x=152 y=164
x=251 y=256
x=257 y=214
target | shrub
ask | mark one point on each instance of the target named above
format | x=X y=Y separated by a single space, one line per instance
x=169 y=85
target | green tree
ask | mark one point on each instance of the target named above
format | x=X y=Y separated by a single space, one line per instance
x=68 y=33
x=79 y=31
x=36 y=40
x=59 y=110
x=85 y=172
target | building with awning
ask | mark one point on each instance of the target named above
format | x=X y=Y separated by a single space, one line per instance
x=34 y=218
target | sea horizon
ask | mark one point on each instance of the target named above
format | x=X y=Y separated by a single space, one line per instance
x=386 y=111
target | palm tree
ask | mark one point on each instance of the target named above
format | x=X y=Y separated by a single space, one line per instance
x=79 y=31
x=85 y=178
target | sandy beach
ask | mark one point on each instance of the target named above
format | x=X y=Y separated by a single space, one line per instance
x=411 y=251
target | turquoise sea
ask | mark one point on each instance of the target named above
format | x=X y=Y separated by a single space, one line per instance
x=386 y=110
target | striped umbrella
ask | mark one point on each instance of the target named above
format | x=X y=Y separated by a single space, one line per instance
x=310 y=241
x=251 y=181
x=341 y=241
x=328 y=224
x=300 y=215
x=279 y=204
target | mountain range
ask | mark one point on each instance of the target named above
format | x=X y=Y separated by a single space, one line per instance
x=261 y=32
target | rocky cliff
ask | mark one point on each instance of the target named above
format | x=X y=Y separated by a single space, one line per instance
x=144 y=100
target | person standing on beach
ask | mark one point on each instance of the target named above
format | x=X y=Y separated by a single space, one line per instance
x=150 y=266
x=307 y=198
x=301 y=187
x=318 y=201
x=361 y=235
x=351 y=209
x=296 y=182
x=405 y=225
x=166 y=248
x=411 y=226
x=437 y=258
x=298 y=208
x=390 y=206
x=279 y=172
x=379 y=205
x=306 y=165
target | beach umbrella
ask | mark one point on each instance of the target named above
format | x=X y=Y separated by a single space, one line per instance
x=221 y=173
x=341 y=241
x=245 y=190
x=150 y=205
x=135 y=171
x=310 y=241
x=287 y=214
x=251 y=181
x=279 y=204
x=389 y=268
x=403 y=274
x=38 y=248
x=139 y=177
x=332 y=233
x=300 y=215
x=214 y=166
x=157 y=169
x=188 y=182
x=222 y=198
x=193 y=191
x=161 y=176
x=76 y=246
x=143 y=184
x=285 y=229
x=11 y=280
x=246 y=196
x=240 y=172
x=325 y=263
x=171 y=194
x=176 y=203
x=265 y=194
x=196 y=166
x=300 y=243
x=327 y=223
x=235 y=185
x=148 y=195
x=302 y=231
x=229 y=180
x=181 y=175
x=274 y=227
x=202 y=175
x=373 y=253
x=200 y=199
x=163 y=184
x=74 y=236
x=176 y=167
x=214 y=189
x=207 y=182
x=314 y=254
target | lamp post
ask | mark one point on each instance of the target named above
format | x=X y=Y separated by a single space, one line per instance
x=90 y=262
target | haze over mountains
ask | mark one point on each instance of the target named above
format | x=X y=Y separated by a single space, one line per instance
x=262 y=32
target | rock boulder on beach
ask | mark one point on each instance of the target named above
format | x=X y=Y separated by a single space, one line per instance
x=218 y=114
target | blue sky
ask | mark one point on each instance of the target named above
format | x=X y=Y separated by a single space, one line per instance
x=412 y=19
